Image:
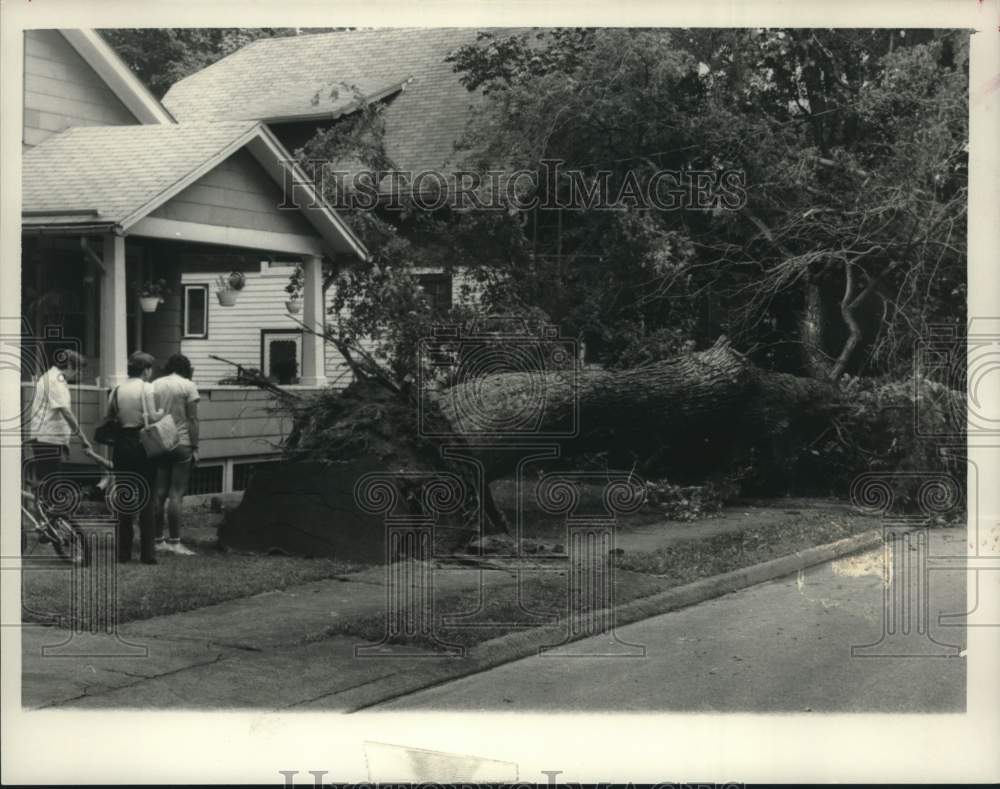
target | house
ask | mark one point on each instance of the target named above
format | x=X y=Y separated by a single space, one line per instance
x=74 y=78
x=299 y=85
x=117 y=191
x=287 y=84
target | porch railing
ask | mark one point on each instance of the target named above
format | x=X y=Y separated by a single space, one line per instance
x=235 y=421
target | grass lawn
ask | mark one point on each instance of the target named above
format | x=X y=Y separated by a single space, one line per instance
x=637 y=574
x=733 y=540
x=177 y=583
x=689 y=560
x=543 y=595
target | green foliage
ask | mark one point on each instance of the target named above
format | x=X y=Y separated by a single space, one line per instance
x=498 y=62
x=363 y=421
x=765 y=535
x=380 y=315
x=899 y=429
x=154 y=287
x=162 y=56
x=853 y=147
x=853 y=144
x=691 y=502
x=353 y=142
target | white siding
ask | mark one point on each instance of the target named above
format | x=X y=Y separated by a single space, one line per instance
x=235 y=332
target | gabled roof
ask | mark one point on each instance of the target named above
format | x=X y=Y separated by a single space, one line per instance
x=423 y=119
x=114 y=176
x=117 y=76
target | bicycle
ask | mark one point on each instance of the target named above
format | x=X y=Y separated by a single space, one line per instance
x=48 y=526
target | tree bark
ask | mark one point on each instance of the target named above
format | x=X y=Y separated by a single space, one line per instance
x=685 y=413
x=812 y=329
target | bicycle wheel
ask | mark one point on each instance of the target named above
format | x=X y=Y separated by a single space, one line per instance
x=66 y=540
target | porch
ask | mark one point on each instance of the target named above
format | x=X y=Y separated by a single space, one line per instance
x=71 y=300
x=240 y=428
x=109 y=209
x=66 y=292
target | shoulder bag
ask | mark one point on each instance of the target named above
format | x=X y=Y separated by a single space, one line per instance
x=107 y=431
x=160 y=437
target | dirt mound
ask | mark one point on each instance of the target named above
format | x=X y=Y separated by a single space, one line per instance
x=305 y=509
x=307 y=506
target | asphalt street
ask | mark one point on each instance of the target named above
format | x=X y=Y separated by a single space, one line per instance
x=782 y=646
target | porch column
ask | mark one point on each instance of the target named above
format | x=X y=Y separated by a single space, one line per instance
x=313 y=371
x=114 y=333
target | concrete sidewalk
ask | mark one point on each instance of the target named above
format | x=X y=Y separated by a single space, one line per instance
x=270 y=650
x=280 y=649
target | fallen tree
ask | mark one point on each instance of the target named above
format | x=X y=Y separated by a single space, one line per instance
x=686 y=414
x=688 y=418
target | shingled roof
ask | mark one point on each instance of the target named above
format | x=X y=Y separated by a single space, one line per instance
x=114 y=176
x=276 y=79
x=114 y=171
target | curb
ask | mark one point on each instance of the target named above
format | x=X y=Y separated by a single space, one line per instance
x=515 y=646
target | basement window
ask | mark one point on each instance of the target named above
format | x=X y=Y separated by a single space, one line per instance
x=243 y=473
x=205 y=479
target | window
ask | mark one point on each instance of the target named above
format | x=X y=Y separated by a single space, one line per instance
x=281 y=355
x=438 y=290
x=243 y=473
x=196 y=311
x=205 y=479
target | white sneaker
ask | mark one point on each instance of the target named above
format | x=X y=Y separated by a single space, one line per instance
x=181 y=550
x=162 y=546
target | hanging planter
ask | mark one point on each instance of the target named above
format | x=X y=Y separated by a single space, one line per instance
x=152 y=293
x=294 y=305
x=228 y=287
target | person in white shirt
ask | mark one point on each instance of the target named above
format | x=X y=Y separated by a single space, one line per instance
x=53 y=424
x=177 y=395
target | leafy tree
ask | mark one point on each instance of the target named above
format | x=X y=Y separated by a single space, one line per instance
x=849 y=244
x=853 y=148
x=165 y=55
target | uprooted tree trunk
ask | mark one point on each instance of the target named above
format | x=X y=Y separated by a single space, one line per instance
x=686 y=417
x=683 y=413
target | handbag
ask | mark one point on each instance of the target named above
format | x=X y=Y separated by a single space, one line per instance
x=107 y=431
x=160 y=437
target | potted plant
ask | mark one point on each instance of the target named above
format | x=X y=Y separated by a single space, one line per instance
x=228 y=287
x=294 y=291
x=152 y=293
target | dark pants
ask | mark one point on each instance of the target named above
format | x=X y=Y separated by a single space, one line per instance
x=129 y=456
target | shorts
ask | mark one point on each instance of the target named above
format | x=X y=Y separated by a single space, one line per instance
x=179 y=454
x=43 y=460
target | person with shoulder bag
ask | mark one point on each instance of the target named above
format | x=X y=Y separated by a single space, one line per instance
x=133 y=403
x=107 y=431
